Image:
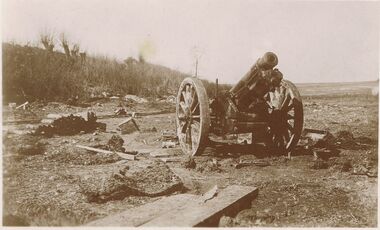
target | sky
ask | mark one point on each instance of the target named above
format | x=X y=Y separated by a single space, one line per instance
x=315 y=41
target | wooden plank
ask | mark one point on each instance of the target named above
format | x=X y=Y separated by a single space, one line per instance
x=122 y=155
x=198 y=213
x=137 y=216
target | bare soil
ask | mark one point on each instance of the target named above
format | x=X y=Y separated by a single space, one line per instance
x=45 y=179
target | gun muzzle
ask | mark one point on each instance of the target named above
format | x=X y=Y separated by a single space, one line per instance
x=268 y=61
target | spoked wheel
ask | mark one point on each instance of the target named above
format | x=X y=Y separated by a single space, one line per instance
x=192 y=116
x=286 y=117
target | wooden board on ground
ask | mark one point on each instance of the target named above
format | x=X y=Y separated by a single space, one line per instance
x=137 y=216
x=122 y=155
x=198 y=213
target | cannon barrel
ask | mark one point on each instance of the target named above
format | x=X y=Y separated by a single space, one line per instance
x=266 y=62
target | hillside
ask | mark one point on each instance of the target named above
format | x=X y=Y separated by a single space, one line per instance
x=31 y=73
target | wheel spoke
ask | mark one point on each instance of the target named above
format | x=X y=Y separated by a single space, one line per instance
x=285 y=103
x=289 y=117
x=188 y=137
x=184 y=97
x=289 y=107
x=196 y=116
x=183 y=106
x=184 y=127
x=290 y=127
x=195 y=133
x=195 y=107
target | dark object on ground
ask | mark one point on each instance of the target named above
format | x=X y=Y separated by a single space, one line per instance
x=347 y=166
x=116 y=144
x=345 y=140
x=70 y=125
x=189 y=163
x=155 y=180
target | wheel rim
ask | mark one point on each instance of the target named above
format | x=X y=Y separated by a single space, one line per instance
x=286 y=117
x=192 y=116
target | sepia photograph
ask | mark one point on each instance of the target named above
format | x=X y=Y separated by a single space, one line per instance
x=190 y=113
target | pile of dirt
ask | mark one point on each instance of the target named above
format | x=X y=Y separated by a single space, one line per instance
x=76 y=156
x=155 y=180
x=70 y=125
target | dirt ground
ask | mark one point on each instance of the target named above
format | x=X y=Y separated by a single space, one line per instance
x=44 y=178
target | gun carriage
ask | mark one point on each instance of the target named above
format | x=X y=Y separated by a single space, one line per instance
x=261 y=103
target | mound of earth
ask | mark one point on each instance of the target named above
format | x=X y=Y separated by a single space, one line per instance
x=76 y=156
x=155 y=180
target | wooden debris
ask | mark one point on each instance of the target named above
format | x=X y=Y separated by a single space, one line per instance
x=122 y=155
x=168 y=160
x=137 y=216
x=250 y=163
x=160 y=154
x=128 y=126
x=196 y=213
x=23 y=105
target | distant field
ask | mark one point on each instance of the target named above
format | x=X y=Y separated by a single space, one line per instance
x=313 y=89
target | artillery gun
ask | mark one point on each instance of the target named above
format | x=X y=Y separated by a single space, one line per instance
x=262 y=103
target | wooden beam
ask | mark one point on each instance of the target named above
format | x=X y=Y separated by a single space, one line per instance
x=122 y=155
x=138 y=216
x=199 y=213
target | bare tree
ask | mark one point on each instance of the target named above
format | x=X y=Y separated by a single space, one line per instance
x=75 y=50
x=65 y=44
x=47 y=41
